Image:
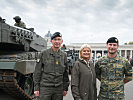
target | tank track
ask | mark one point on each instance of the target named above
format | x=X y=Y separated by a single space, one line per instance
x=9 y=84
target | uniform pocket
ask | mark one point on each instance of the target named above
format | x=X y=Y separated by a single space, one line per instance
x=84 y=96
x=48 y=66
x=119 y=70
x=62 y=68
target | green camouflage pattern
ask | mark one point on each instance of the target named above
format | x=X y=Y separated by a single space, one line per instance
x=20 y=24
x=112 y=72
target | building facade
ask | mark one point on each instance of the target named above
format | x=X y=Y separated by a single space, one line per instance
x=99 y=49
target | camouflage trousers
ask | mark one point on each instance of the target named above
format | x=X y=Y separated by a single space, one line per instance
x=107 y=98
x=51 y=93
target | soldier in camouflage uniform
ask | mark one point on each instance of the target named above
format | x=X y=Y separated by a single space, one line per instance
x=51 y=72
x=19 y=23
x=113 y=71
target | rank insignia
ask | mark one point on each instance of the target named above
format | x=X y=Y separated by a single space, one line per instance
x=57 y=62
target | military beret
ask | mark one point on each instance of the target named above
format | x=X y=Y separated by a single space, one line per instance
x=17 y=18
x=56 y=34
x=112 y=40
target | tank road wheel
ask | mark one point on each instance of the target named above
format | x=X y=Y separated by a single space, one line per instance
x=28 y=86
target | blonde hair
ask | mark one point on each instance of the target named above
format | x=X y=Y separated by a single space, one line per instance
x=82 y=47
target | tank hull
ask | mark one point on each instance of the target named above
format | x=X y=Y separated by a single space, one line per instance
x=19 y=49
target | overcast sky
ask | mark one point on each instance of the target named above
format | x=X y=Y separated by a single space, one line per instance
x=79 y=21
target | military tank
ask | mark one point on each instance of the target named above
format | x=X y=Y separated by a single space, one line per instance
x=19 y=49
x=72 y=56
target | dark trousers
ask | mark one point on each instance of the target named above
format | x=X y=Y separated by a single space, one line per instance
x=51 y=93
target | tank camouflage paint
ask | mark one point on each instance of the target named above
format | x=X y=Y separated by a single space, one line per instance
x=19 y=49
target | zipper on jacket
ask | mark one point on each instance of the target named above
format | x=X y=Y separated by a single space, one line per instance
x=92 y=79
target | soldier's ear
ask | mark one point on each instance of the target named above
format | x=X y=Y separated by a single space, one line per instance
x=61 y=41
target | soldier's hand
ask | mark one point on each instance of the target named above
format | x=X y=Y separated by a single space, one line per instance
x=36 y=93
x=64 y=93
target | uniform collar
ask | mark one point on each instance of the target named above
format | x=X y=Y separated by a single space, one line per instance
x=113 y=58
x=52 y=52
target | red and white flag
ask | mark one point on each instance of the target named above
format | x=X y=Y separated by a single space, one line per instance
x=37 y=60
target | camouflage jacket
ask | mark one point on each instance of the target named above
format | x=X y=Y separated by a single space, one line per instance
x=20 y=24
x=112 y=72
x=51 y=70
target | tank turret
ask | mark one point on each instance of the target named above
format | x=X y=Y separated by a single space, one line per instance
x=19 y=49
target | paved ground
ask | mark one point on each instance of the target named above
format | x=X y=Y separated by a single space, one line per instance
x=128 y=91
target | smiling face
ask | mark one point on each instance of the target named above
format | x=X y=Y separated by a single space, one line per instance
x=56 y=42
x=85 y=53
x=112 y=48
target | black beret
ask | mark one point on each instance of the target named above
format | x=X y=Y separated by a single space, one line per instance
x=17 y=18
x=56 y=34
x=112 y=40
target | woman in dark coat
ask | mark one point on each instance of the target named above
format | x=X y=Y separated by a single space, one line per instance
x=83 y=79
